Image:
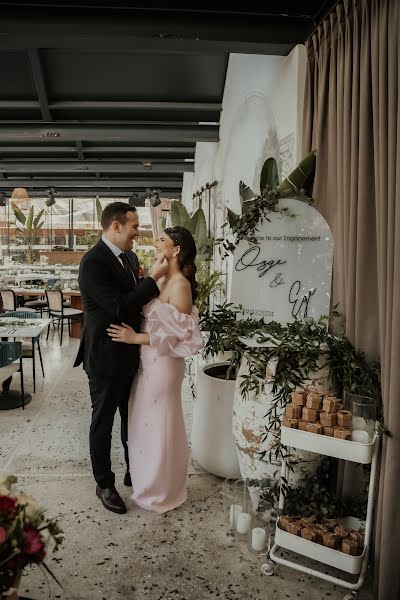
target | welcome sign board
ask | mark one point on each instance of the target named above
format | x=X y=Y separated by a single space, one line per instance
x=288 y=274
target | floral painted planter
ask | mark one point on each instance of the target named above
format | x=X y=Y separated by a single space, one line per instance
x=249 y=425
x=213 y=446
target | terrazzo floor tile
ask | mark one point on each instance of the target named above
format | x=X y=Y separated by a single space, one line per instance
x=186 y=554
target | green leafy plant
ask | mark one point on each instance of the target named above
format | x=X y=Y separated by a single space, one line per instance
x=29 y=228
x=224 y=333
x=99 y=210
x=315 y=494
x=256 y=208
x=301 y=348
x=89 y=239
x=209 y=281
x=197 y=226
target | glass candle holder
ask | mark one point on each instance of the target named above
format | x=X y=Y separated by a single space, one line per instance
x=231 y=506
x=363 y=409
x=259 y=533
x=240 y=507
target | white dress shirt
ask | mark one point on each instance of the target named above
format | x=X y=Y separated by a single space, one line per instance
x=117 y=252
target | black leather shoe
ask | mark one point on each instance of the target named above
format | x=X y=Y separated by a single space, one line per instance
x=127 y=479
x=111 y=500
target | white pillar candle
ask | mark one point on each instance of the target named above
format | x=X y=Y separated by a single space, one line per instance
x=234 y=512
x=360 y=436
x=258 y=537
x=243 y=522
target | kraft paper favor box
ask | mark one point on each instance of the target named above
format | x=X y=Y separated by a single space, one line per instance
x=293 y=528
x=328 y=431
x=302 y=425
x=330 y=404
x=350 y=546
x=341 y=532
x=330 y=524
x=331 y=540
x=291 y=423
x=298 y=397
x=308 y=534
x=327 y=419
x=313 y=401
x=293 y=412
x=344 y=418
x=315 y=428
x=341 y=433
x=309 y=414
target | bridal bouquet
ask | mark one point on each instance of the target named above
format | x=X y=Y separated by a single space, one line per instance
x=25 y=533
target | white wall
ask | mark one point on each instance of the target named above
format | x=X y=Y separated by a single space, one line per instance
x=261 y=117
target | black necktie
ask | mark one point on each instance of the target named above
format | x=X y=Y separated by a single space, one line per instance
x=127 y=266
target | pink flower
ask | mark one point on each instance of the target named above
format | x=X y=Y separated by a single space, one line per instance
x=7 y=505
x=33 y=544
x=3 y=535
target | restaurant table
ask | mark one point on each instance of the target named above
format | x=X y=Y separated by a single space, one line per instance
x=27 y=328
x=76 y=302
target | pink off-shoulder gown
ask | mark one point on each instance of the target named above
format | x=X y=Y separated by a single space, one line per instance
x=158 y=447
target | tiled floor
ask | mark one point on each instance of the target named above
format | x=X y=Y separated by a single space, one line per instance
x=185 y=554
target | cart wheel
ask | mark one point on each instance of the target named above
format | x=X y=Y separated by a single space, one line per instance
x=351 y=596
x=267 y=569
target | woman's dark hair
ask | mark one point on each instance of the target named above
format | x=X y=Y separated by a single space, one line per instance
x=186 y=257
x=116 y=211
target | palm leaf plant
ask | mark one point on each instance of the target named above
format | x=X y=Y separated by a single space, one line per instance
x=28 y=229
x=209 y=281
x=255 y=208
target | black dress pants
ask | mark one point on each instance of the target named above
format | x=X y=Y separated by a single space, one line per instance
x=107 y=394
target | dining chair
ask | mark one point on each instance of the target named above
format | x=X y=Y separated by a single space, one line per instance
x=28 y=349
x=38 y=305
x=10 y=363
x=58 y=312
x=10 y=301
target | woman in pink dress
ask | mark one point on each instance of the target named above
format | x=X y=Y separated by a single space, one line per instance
x=158 y=447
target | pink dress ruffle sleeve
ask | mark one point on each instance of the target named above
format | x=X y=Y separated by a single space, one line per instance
x=174 y=333
x=157 y=442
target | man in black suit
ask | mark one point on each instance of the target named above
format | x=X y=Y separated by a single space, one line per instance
x=112 y=293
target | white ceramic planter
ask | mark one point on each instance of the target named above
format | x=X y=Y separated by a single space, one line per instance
x=249 y=428
x=212 y=441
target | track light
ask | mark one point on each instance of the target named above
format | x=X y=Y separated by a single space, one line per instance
x=155 y=198
x=50 y=199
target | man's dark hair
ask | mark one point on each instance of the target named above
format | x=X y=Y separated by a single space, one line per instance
x=116 y=211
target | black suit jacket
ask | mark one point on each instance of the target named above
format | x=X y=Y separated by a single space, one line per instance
x=110 y=295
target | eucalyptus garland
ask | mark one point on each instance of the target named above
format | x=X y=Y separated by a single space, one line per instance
x=301 y=348
x=244 y=226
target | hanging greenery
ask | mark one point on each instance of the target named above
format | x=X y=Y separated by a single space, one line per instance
x=256 y=208
x=314 y=495
x=301 y=347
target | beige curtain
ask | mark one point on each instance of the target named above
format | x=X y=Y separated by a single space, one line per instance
x=352 y=118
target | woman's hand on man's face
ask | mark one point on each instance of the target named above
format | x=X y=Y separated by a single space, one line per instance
x=122 y=333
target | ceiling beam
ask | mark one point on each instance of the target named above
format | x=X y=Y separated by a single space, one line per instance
x=134 y=105
x=94 y=166
x=39 y=81
x=145 y=151
x=70 y=132
x=103 y=193
x=79 y=149
x=10 y=184
x=152 y=30
x=114 y=105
